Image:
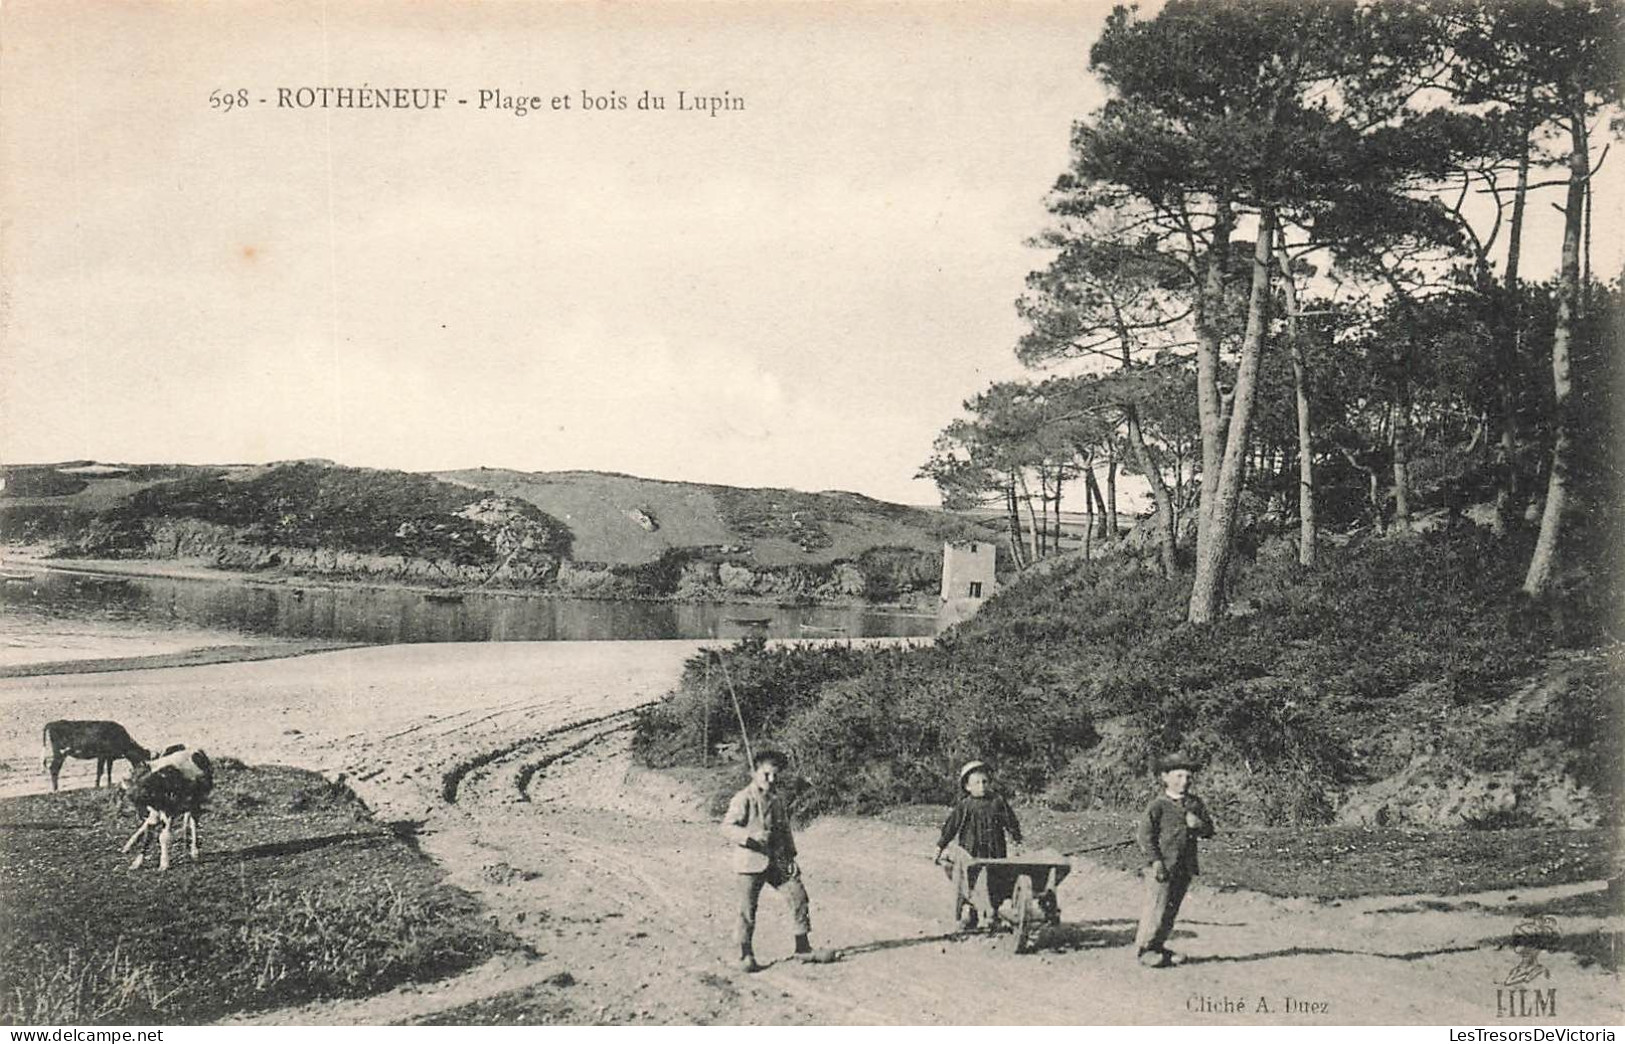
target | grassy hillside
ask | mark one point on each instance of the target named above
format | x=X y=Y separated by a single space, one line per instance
x=623 y=520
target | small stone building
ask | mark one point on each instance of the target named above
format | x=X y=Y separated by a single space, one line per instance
x=967 y=579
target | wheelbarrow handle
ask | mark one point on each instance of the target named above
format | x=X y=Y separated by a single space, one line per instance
x=1100 y=848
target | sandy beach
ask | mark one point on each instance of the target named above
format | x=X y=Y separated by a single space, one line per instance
x=320 y=711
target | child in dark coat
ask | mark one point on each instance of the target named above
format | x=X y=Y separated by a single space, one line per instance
x=1167 y=835
x=979 y=823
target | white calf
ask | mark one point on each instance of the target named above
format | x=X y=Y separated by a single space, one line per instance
x=174 y=785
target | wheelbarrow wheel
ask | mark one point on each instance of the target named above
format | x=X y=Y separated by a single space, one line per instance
x=1021 y=902
x=1051 y=907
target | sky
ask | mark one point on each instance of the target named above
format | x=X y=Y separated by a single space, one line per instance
x=800 y=292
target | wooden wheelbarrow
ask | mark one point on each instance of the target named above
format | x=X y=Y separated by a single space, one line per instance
x=1032 y=903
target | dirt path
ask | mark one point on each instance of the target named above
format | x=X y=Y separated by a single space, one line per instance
x=614 y=877
x=617 y=881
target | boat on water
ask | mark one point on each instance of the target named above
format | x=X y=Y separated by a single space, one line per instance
x=751 y=621
x=101 y=581
x=444 y=597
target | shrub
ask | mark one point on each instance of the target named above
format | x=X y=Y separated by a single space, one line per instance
x=891 y=572
x=767 y=683
x=662 y=576
x=897 y=732
x=40 y=482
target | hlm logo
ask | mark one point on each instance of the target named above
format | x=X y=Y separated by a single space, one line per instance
x=1522 y=1004
x=1529 y=940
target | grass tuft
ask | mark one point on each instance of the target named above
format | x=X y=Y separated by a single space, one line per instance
x=74 y=986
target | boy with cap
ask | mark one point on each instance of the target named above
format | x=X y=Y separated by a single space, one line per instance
x=1167 y=836
x=758 y=824
x=979 y=823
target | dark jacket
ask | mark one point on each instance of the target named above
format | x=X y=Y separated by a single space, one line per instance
x=979 y=825
x=1163 y=833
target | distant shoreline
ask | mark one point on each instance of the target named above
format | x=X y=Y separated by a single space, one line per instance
x=19 y=556
x=203 y=655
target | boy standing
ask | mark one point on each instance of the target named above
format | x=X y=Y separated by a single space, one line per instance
x=979 y=823
x=757 y=823
x=1167 y=835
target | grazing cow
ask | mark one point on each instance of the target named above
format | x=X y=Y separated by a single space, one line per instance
x=106 y=741
x=173 y=785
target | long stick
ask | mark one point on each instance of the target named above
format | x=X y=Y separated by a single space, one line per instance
x=1099 y=848
x=743 y=734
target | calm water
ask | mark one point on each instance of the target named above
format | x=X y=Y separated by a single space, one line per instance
x=387 y=616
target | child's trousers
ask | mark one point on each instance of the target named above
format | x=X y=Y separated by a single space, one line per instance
x=1001 y=883
x=1162 y=899
x=788 y=884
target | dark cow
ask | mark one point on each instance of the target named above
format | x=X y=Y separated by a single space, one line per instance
x=106 y=741
x=174 y=785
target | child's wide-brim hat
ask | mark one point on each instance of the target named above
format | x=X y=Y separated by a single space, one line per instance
x=969 y=767
x=1170 y=762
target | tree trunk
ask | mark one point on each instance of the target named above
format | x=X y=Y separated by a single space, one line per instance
x=1179 y=474
x=1159 y=492
x=1014 y=516
x=1399 y=432
x=1308 y=536
x=1060 y=480
x=1111 y=530
x=1100 y=502
x=1044 y=513
x=1213 y=550
x=1401 y=442
x=1584 y=306
x=1209 y=407
x=1508 y=341
x=1088 y=510
x=1372 y=502
x=1544 y=561
x=1032 y=521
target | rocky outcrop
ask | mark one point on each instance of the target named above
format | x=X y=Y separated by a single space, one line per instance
x=1533 y=759
x=590 y=580
x=509 y=553
x=1440 y=792
x=227 y=548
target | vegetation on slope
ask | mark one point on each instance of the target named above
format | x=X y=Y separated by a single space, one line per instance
x=355 y=509
x=1070 y=683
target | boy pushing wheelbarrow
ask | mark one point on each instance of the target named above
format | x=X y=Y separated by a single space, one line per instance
x=1020 y=891
x=977 y=827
